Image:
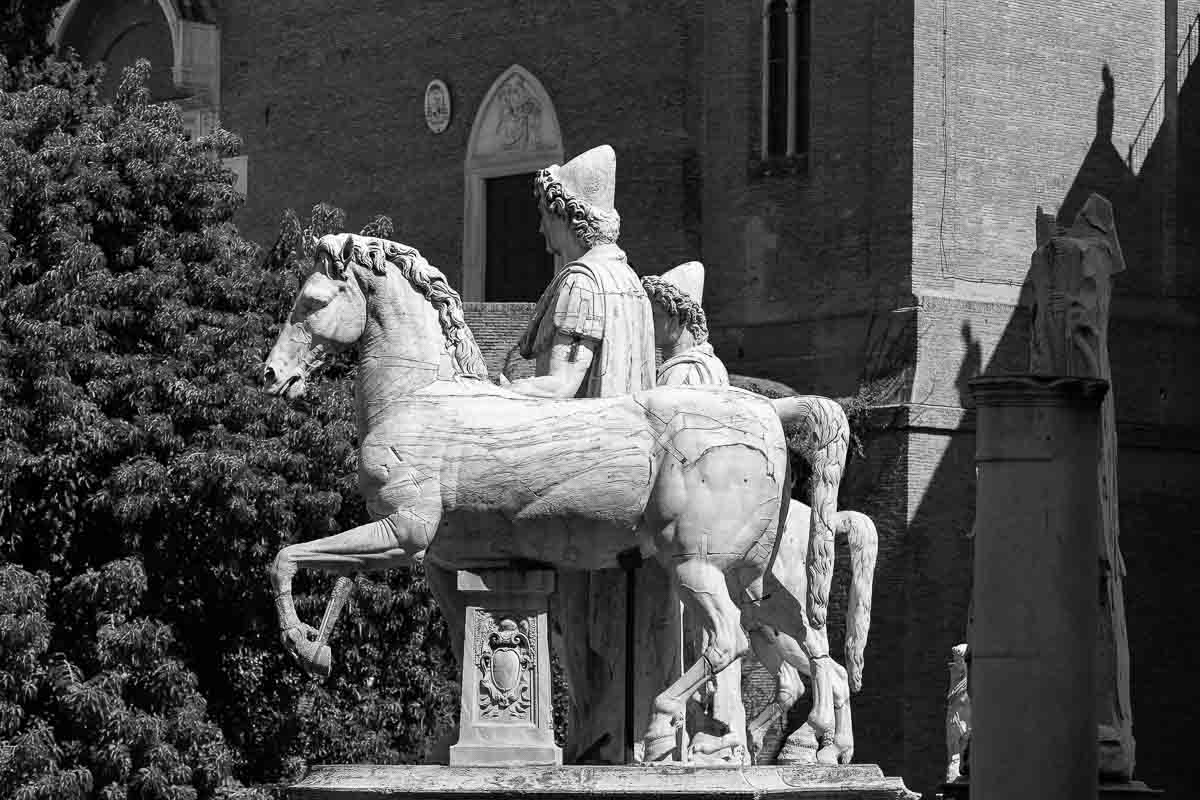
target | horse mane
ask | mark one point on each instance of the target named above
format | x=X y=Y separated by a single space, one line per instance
x=376 y=254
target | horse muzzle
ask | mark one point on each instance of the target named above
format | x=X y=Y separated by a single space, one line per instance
x=290 y=386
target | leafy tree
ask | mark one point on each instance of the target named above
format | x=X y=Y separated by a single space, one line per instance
x=147 y=477
x=25 y=28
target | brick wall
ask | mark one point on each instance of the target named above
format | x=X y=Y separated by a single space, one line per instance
x=800 y=265
x=329 y=100
x=1012 y=126
x=1005 y=113
x=497 y=328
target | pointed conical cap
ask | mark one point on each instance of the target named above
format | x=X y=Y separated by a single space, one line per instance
x=689 y=279
x=590 y=176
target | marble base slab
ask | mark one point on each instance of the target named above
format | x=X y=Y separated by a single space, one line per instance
x=633 y=782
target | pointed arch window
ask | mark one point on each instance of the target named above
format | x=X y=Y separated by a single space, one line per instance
x=786 y=49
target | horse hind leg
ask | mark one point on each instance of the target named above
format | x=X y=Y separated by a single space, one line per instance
x=384 y=544
x=724 y=742
x=703 y=589
x=788 y=688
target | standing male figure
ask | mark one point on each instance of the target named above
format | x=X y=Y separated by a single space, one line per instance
x=592 y=335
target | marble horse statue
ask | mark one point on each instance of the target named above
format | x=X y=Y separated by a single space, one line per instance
x=722 y=735
x=467 y=474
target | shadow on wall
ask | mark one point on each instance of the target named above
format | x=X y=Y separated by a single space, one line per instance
x=904 y=714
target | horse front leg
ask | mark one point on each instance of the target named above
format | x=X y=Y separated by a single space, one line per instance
x=386 y=543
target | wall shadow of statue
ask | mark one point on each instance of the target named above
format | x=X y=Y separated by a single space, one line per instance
x=939 y=545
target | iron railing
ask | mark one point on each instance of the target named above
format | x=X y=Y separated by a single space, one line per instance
x=1152 y=122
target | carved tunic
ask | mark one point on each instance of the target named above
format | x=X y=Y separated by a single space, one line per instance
x=599 y=298
x=697 y=367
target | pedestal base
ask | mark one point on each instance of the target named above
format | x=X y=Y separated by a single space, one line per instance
x=506 y=717
x=851 y=782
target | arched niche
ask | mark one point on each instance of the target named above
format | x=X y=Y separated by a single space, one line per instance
x=195 y=58
x=515 y=131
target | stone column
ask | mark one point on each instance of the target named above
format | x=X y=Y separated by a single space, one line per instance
x=506 y=715
x=1036 y=575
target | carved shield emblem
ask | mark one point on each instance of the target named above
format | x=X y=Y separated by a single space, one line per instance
x=506 y=669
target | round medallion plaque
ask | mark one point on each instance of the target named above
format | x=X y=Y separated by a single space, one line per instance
x=437 y=106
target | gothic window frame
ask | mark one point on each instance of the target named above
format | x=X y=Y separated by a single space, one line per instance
x=796 y=110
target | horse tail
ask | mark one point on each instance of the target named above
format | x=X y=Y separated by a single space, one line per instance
x=864 y=547
x=820 y=434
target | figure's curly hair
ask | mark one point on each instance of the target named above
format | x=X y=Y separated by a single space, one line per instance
x=591 y=225
x=678 y=304
x=376 y=254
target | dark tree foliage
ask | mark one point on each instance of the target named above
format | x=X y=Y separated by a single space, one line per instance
x=25 y=28
x=146 y=482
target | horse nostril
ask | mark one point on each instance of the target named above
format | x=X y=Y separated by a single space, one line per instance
x=268 y=375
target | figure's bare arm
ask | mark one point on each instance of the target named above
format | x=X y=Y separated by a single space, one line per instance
x=566 y=367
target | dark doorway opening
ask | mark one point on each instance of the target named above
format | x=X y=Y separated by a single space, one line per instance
x=518 y=268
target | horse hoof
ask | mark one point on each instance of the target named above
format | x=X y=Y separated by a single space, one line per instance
x=800 y=748
x=830 y=754
x=658 y=748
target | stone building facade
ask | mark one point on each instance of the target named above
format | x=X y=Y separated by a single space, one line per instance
x=861 y=180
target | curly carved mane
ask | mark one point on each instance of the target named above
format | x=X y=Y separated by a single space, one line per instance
x=376 y=254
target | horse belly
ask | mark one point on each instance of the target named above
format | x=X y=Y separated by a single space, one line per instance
x=469 y=540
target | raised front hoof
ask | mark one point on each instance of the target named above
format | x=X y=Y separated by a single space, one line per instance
x=315 y=659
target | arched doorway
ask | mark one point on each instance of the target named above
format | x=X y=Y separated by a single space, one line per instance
x=515 y=133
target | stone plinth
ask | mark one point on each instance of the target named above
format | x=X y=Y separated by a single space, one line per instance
x=631 y=782
x=506 y=715
x=1035 y=582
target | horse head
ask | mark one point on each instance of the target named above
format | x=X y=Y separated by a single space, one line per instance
x=329 y=314
x=360 y=284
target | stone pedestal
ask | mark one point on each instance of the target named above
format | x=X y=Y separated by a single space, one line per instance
x=506 y=716
x=1036 y=575
x=811 y=782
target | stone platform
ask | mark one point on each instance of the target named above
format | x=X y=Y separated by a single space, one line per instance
x=810 y=782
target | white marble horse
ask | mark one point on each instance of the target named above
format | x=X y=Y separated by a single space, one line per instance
x=459 y=471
